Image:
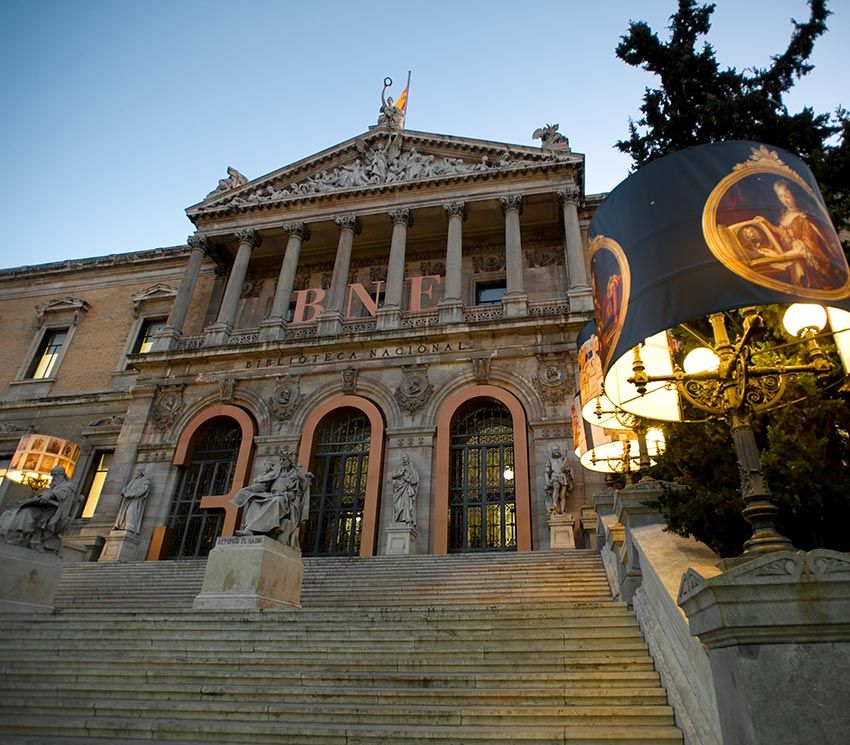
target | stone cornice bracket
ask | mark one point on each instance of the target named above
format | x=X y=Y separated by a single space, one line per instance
x=74 y=305
x=348 y=222
x=249 y=236
x=198 y=242
x=511 y=202
x=569 y=195
x=402 y=216
x=455 y=208
x=298 y=229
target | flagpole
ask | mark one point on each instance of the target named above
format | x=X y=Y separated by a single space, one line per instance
x=407 y=88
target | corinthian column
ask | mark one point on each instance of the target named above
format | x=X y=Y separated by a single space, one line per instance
x=578 y=290
x=219 y=332
x=330 y=322
x=451 y=306
x=167 y=338
x=274 y=327
x=515 y=301
x=389 y=317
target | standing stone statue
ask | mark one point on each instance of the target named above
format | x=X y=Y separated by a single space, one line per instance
x=276 y=503
x=405 y=490
x=37 y=522
x=134 y=497
x=558 y=481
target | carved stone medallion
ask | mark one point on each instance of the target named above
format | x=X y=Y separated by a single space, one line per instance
x=167 y=406
x=553 y=381
x=481 y=367
x=226 y=389
x=414 y=391
x=284 y=399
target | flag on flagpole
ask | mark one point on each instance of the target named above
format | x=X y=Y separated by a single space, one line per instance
x=401 y=103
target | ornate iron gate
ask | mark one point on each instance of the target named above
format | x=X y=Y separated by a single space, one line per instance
x=211 y=472
x=339 y=463
x=482 y=493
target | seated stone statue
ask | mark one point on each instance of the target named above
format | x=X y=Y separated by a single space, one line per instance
x=37 y=522
x=276 y=503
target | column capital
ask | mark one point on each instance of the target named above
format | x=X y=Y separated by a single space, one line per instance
x=298 y=229
x=348 y=222
x=249 y=236
x=198 y=242
x=401 y=216
x=511 y=202
x=454 y=209
x=569 y=195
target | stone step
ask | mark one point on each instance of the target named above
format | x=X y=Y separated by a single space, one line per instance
x=329 y=713
x=181 y=730
x=611 y=695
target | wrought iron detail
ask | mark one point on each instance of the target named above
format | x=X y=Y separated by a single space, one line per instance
x=482 y=501
x=211 y=472
x=340 y=462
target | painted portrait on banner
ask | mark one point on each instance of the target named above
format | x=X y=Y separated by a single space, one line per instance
x=590 y=377
x=765 y=223
x=609 y=275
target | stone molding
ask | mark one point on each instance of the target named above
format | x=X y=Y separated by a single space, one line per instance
x=158 y=291
x=56 y=307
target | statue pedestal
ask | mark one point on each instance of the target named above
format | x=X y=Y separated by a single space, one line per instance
x=561 y=531
x=401 y=539
x=778 y=640
x=249 y=572
x=121 y=546
x=28 y=579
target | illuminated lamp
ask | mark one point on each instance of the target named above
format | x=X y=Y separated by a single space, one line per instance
x=687 y=254
x=36 y=455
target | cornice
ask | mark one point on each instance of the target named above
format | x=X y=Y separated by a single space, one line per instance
x=96 y=262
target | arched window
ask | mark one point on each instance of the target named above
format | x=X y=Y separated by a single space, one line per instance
x=214 y=452
x=339 y=462
x=482 y=486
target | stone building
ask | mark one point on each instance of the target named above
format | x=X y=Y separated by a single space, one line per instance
x=401 y=293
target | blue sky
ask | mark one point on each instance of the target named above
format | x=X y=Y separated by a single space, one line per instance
x=119 y=115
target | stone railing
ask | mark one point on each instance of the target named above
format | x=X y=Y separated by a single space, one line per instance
x=246 y=336
x=481 y=313
x=419 y=320
x=556 y=307
x=359 y=325
x=645 y=564
x=191 y=342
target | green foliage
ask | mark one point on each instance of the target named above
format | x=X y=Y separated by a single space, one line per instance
x=699 y=102
x=805 y=446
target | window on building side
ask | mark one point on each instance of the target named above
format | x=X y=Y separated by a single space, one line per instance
x=150 y=328
x=44 y=364
x=490 y=293
x=94 y=482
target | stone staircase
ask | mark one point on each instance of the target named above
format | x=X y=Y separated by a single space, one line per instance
x=477 y=649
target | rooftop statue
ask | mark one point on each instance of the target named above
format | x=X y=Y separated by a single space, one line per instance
x=277 y=502
x=37 y=522
x=391 y=116
x=234 y=179
x=551 y=138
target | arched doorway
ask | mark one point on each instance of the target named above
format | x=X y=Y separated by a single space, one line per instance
x=215 y=451
x=474 y=498
x=482 y=484
x=342 y=445
x=339 y=463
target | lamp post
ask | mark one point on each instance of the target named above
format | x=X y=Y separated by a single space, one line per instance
x=700 y=234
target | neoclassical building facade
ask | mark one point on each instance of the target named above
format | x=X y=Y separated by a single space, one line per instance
x=399 y=294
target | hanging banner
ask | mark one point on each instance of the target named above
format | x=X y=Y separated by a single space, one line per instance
x=708 y=229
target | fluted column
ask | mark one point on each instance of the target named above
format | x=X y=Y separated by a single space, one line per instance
x=390 y=315
x=274 y=327
x=167 y=338
x=330 y=322
x=515 y=302
x=578 y=288
x=218 y=333
x=451 y=306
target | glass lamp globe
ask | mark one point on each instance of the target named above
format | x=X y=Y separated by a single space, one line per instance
x=802 y=317
x=701 y=359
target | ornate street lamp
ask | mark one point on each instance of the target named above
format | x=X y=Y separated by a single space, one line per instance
x=715 y=233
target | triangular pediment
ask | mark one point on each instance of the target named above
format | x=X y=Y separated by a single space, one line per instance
x=378 y=160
